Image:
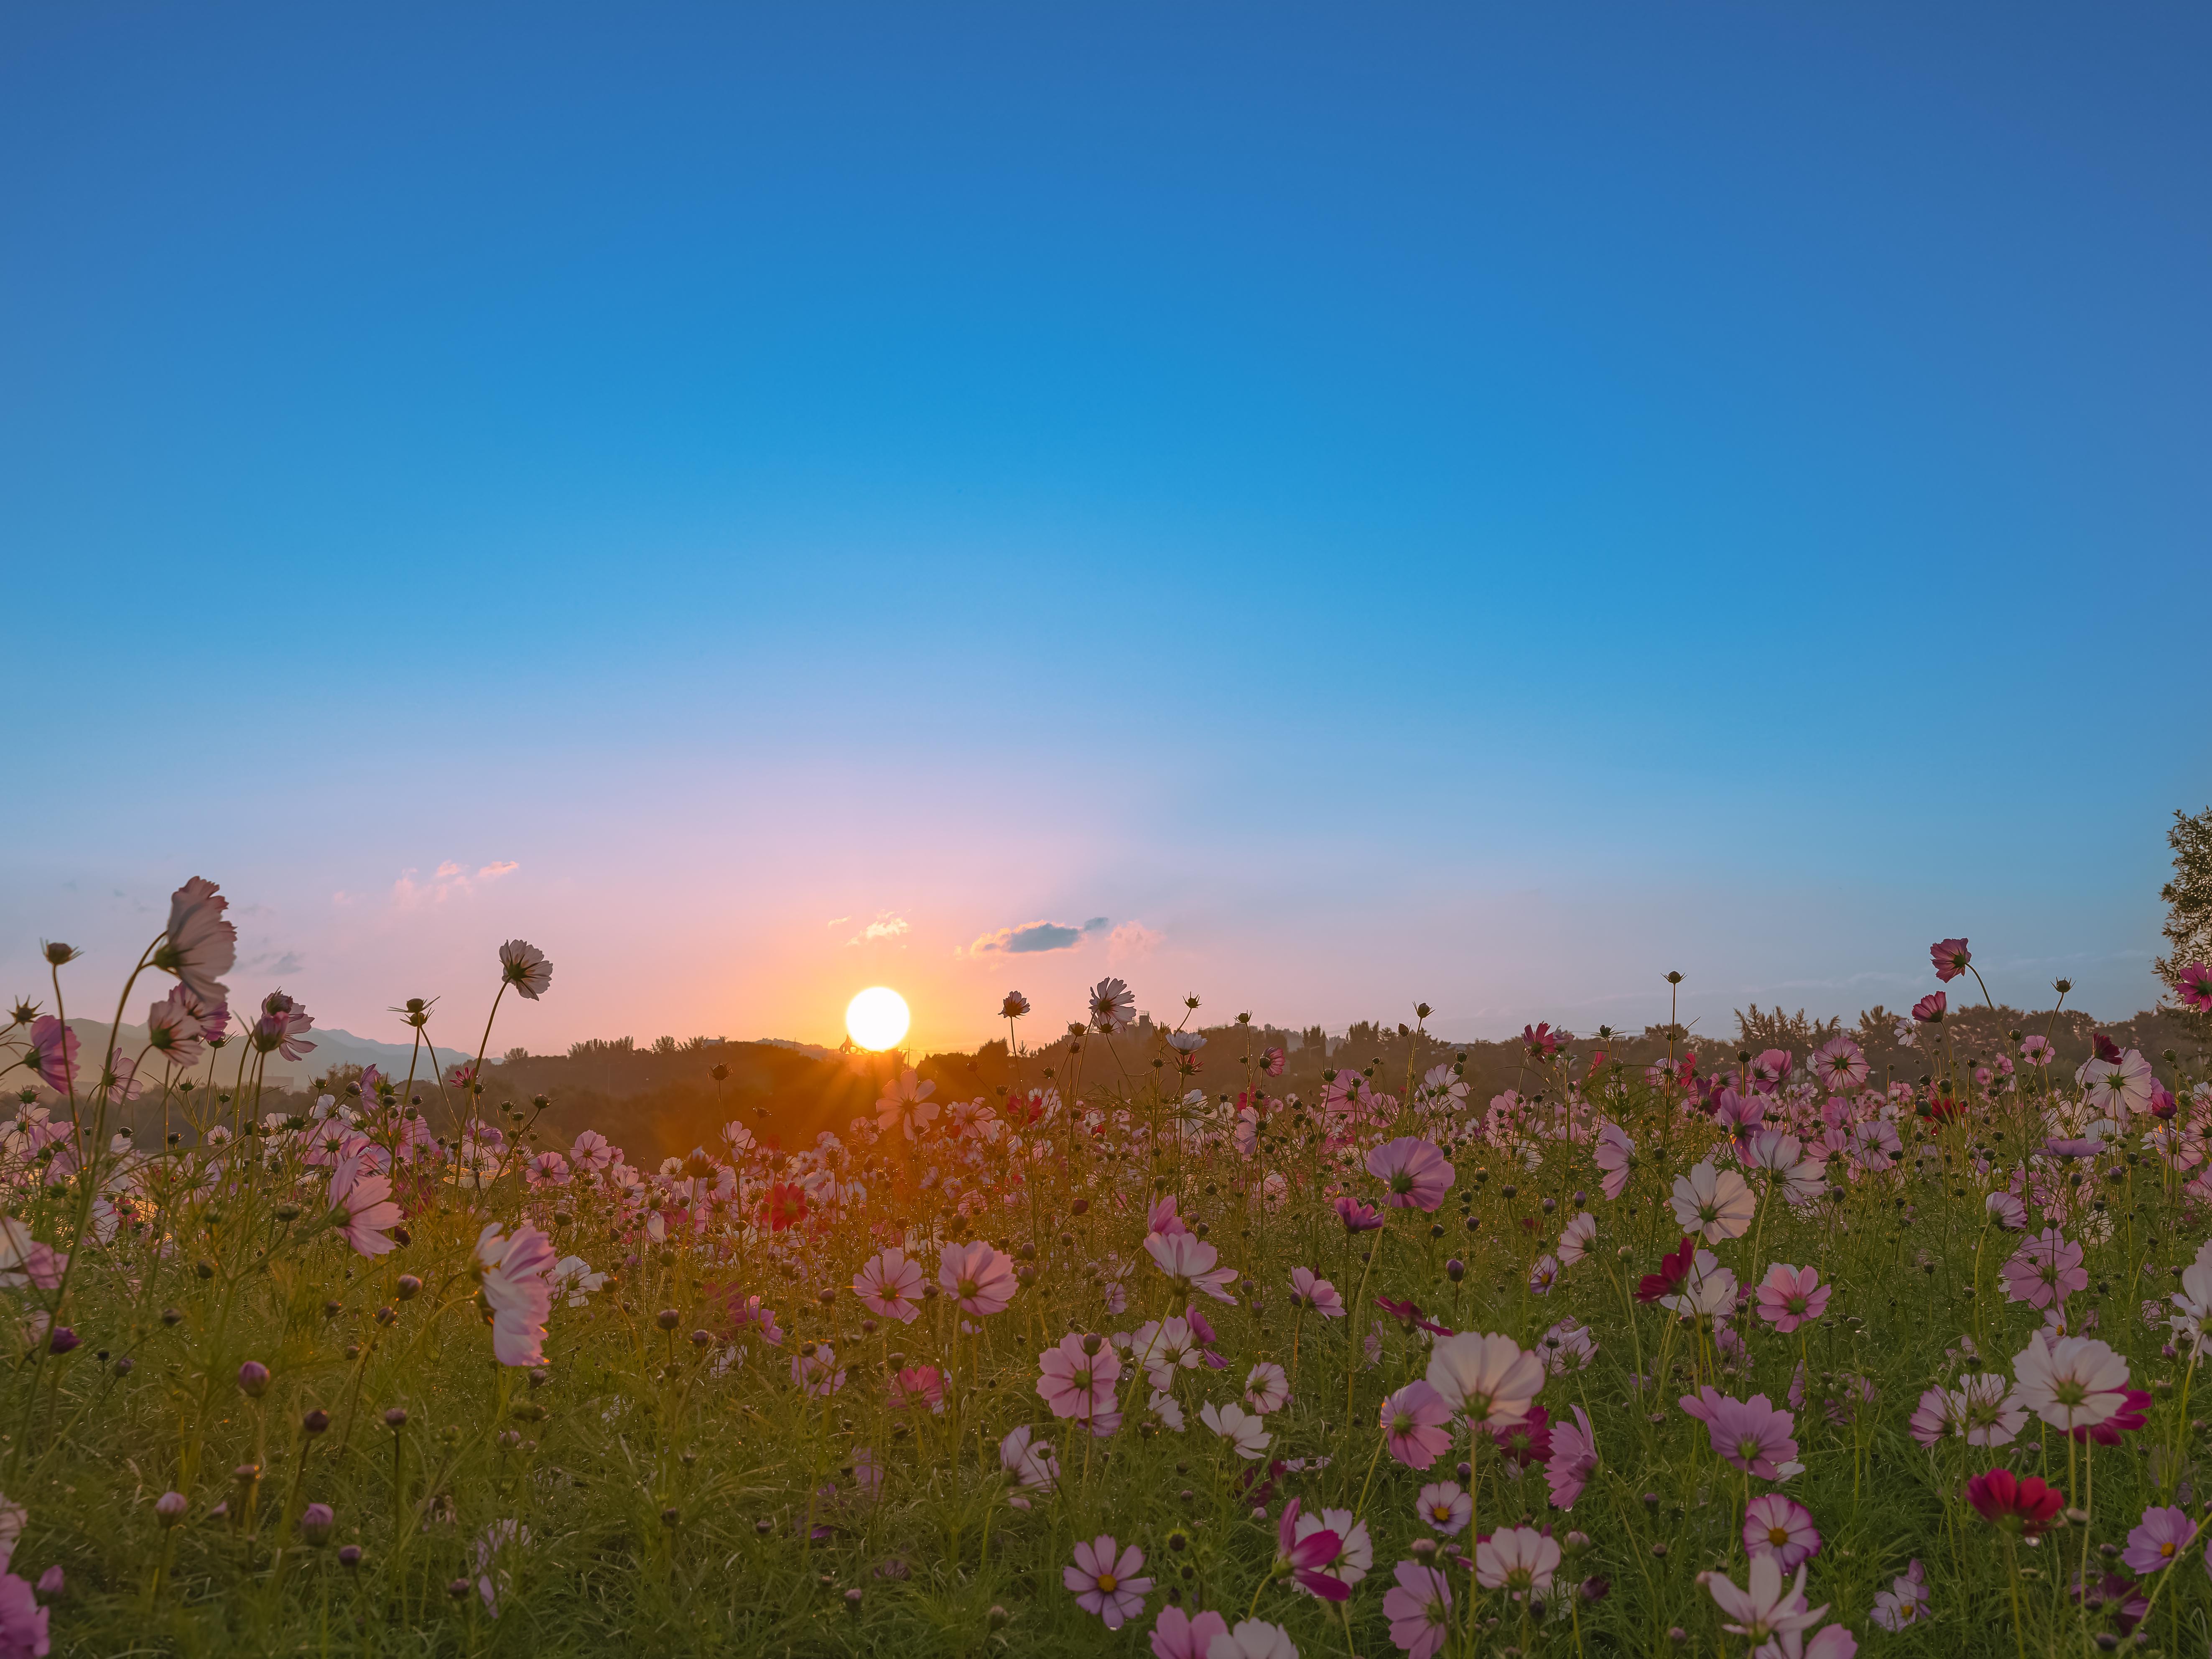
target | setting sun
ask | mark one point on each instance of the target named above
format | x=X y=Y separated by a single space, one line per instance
x=877 y=1018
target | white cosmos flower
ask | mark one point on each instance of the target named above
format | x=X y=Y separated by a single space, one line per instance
x=1714 y=1202
x=1487 y=1376
x=2073 y=1382
x=1246 y=1434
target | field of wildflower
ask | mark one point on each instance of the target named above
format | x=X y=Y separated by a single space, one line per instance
x=1770 y=1356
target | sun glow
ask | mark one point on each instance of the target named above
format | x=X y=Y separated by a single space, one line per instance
x=877 y=1018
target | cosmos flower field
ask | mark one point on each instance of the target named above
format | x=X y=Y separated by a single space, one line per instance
x=1719 y=1354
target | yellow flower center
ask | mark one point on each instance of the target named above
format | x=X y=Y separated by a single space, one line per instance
x=1777 y=1536
x=1106 y=1581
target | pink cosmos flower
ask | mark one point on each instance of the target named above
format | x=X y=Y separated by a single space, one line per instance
x=1574 y=1459
x=1615 y=1154
x=1574 y=1239
x=2120 y=1086
x=1950 y=957
x=1768 y=1070
x=1253 y=1638
x=1113 y=1005
x=362 y=1200
x=53 y=1053
x=1077 y=1377
x=2194 y=988
x=173 y=1031
x=2043 y=1270
x=1905 y=1602
x=1105 y=1583
x=2007 y=1210
x=1178 y=1635
x=1445 y=1507
x=1165 y=1218
x=1790 y=1297
x=283 y=1026
x=1750 y=1434
x=1487 y=1376
x=548 y=1169
x=2158 y=1541
x=1191 y=1263
x=1770 y=1607
x=1417 y=1175
x=888 y=1286
x=814 y=1371
x=25 y=1261
x=1518 y=1560
x=1415 y=1422
x=1315 y=1293
x=979 y=1279
x=1358 y=1218
x=1029 y=1462
x=918 y=1385
x=1247 y=1435
x=1713 y=1202
x=1527 y=1440
x=1418 y=1607
x=1840 y=1064
x=2038 y=1050
x=1303 y=1553
x=1929 y=1011
x=1776 y=1525
x=1265 y=1389
x=905 y=1104
x=23 y=1620
x=513 y=1274
x=524 y=966
x=1982 y=1410
x=198 y=946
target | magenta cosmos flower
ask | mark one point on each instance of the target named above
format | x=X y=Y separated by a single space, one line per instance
x=512 y=1271
x=1107 y=1583
x=888 y=1286
x=1076 y=1378
x=918 y=1385
x=1751 y=1434
x=23 y=1620
x=1417 y=1173
x=1930 y=1009
x=979 y=1279
x=1777 y=1526
x=1304 y=1554
x=173 y=1031
x=361 y=1206
x=1309 y=1290
x=1178 y=1635
x=2159 y=1541
x=1789 y=1297
x=2194 y=988
x=1950 y=957
x=1416 y=1424
x=1418 y=1607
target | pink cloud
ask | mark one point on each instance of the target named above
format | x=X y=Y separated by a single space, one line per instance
x=1132 y=938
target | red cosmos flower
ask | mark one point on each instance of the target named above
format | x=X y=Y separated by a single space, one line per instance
x=1302 y=1558
x=2107 y=1050
x=2132 y=1415
x=1930 y=1009
x=2195 y=987
x=2025 y=1507
x=1358 y=1218
x=1673 y=1270
x=1951 y=958
x=1942 y=1105
x=1540 y=1040
x=2162 y=1105
x=784 y=1206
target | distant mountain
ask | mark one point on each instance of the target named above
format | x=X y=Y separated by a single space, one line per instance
x=333 y=1048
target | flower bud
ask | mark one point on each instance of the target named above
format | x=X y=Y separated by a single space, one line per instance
x=316 y=1522
x=396 y=1417
x=348 y=1555
x=668 y=1319
x=315 y=1421
x=170 y=1508
x=407 y=1288
x=253 y=1379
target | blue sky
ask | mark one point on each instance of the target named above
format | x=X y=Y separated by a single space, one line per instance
x=1486 y=508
